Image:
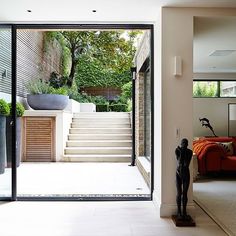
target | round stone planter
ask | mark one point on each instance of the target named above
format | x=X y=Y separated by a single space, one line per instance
x=47 y=101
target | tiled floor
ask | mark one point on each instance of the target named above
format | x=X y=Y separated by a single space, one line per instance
x=75 y=178
x=95 y=219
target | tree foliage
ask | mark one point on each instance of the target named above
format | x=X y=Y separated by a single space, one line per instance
x=106 y=53
x=92 y=73
x=79 y=43
x=127 y=90
x=205 y=89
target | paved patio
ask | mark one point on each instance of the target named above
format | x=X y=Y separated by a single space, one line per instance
x=47 y=179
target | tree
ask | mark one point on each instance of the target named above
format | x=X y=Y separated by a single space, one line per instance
x=109 y=49
x=78 y=42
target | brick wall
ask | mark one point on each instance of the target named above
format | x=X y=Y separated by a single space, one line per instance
x=140 y=59
x=139 y=116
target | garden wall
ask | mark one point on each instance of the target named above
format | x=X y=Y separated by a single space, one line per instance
x=109 y=93
x=34 y=59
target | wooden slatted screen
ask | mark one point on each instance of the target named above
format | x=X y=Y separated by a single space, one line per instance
x=39 y=139
x=36 y=57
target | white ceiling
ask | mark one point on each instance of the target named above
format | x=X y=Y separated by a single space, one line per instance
x=211 y=34
x=81 y=10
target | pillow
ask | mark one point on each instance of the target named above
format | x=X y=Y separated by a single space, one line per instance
x=228 y=147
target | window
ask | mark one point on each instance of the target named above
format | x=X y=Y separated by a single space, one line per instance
x=214 y=89
x=227 y=88
x=205 y=89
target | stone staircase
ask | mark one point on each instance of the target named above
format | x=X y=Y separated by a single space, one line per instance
x=99 y=137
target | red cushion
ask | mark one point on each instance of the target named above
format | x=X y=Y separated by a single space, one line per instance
x=228 y=163
x=213 y=161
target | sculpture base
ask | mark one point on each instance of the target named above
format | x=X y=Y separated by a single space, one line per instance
x=183 y=222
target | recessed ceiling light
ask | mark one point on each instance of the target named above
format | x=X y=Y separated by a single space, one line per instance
x=29 y=10
x=220 y=53
x=94 y=10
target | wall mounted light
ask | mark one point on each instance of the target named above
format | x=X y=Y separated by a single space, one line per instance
x=4 y=74
x=177 y=66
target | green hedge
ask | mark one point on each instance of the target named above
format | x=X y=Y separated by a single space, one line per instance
x=112 y=107
x=118 y=107
x=102 y=107
x=4 y=108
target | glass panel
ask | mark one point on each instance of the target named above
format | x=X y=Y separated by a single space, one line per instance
x=5 y=96
x=44 y=159
x=228 y=89
x=205 y=89
x=147 y=107
x=232 y=120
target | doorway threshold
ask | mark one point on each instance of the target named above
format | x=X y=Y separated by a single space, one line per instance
x=84 y=197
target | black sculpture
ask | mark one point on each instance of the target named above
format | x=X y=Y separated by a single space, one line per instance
x=205 y=122
x=183 y=156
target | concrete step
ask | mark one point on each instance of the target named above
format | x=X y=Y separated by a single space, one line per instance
x=99 y=137
x=86 y=120
x=100 y=131
x=99 y=125
x=101 y=114
x=99 y=143
x=98 y=150
x=97 y=158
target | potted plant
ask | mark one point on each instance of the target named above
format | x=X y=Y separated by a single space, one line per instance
x=44 y=97
x=19 y=113
x=4 y=111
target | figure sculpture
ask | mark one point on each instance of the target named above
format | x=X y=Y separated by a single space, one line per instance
x=205 y=122
x=183 y=156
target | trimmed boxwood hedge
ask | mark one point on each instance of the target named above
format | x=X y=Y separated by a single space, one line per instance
x=102 y=107
x=118 y=107
x=112 y=107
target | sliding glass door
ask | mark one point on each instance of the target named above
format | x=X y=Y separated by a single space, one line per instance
x=28 y=66
x=5 y=119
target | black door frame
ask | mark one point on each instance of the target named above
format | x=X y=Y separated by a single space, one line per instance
x=14 y=28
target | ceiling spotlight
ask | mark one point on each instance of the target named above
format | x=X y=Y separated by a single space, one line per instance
x=94 y=10
x=29 y=11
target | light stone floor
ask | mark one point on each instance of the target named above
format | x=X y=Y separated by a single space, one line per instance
x=75 y=178
x=95 y=219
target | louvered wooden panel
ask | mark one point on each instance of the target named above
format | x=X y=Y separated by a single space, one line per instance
x=39 y=139
x=33 y=60
x=5 y=59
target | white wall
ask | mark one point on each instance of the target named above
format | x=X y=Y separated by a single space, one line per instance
x=175 y=34
x=87 y=107
x=210 y=34
x=214 y=109
x=176 y=111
